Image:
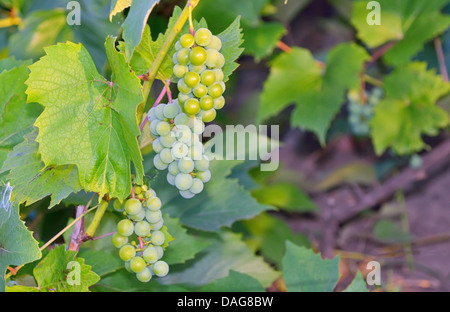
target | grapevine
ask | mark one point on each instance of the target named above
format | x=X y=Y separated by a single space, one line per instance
x=360 y=111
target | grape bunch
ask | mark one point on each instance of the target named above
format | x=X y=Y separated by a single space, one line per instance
x=179 y=148
x=360 y=111
x=139 y=236
x=198 y=68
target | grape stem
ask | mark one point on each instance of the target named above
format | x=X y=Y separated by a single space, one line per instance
x=441 y=58
x=158 y=100
x=90 y=232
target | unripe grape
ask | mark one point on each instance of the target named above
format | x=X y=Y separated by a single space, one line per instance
x=170 y=178
x=187 y=41
x=158 y=163
x=118 y=206
x=218 y=73
x=139 y=216
x=202 y=164
x=205 y=176
x=137 y=264
x=151 y=114
x=200 y=90
x=220 y=61
x=183 y=87
x=212 y=58
x=150 y=193
x=183 y=56
x=183 y=181
x=215 y=43
x=127 y=252
x=197 y=186
x=186 y=165
x=166 y=155
x=158 y=225
x=219 y=103
x=206 y=102
x=198 y=56
x=142 y=228
x=215 y=90
x=198 y=127
x=153 y=216
x=191 y=79
x=158 y=238
x=173 y=168
x=159 y=111
x=167 y=141
x=119 y=240
x=125 y=227
x=209 y=115
x=160 y=251
x=203 y=36
x=181 y=119
x=171 y=110
x=179 y=150
x=208 y=77
x=187 y=194
x=150 y=254
x=180 y=70
x=198 y=69
x=163 y=128
x=192 y=107
x=161 y=268
x=145 y=275
x=154 y=203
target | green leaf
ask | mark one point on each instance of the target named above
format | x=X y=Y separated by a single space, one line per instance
x=133 y=27
x=231 y=47
x=54 y=272
x=234 y=282
x=226 y=252
x=296 y=77
x=17 y=245
x=409 y=23
x=30 y=179
x=261 y=40
x=184 y=246
x=358 y=284
x=88 y=121
x=305 y=271
x=285 y=196
x=219 y=204
x=118 y=6
x=409 y=109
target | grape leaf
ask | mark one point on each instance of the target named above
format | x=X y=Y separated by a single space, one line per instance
x=231 y=47
x=17 y=245
x=53 y=273
x=234 y=282
x=305 y=271
x=134 y=24
x=118 y=6
x=30 y=179
x=358 y=284
x=226 y=252
x=88 y=121
x=409 y=23
x=409 y=109
x=296 y=77
x=261 y=40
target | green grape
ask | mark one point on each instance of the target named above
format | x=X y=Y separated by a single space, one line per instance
x=192 y=107
x=153 y=126
x=158 y=225
x=157 y=146
x=183 y=56
x=183 y=181
x=166 y=155
x=167 y=140
x=150 y=193
x=218 y=73
x=138 y=190
x=151 y=114
x=137 y=264
x=161 y=268
x=197 y=69
x=203 y=37
x=219 y=103
x=220 y=61
x=154 y=203
x=200 y=90
x=186 y=165
x=198 y=126
x=202 y=164
x=215 y=90
x=163 y=128
x=222 y=84
x=139 y=216
x=150 y=254
x=158 y=238
x=178 y=46
x=205 y=176
x=160 y=251
x=179 y=150
x=415 y=161
x=183 y=87
x=127 y=267
x=191 y=79
x=197 y=186
x=119 y=240
x=127 y=252
x=181 y=119
x=142 y=228
x=125 y=227
x=171 y=110
x=118 y=206
x=173 y=168
x=187 y=41
x=197 y=56
x=208 y=77
x=159 y=111
x=196 y=151
x=144 y=276
x=170 y=178
x=215 y=43
x=212 y=58
x=180 y=70
x=158 y=163
x=187 y=194
x=209 y=115
x=153 y=216
x=184 y=97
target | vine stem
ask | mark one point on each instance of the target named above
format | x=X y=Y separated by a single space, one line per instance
x=90 y=232
x=158 y=100
x=441 y=58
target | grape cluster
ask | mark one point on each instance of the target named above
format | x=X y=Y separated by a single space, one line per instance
x=360 y=112
x=179 y=148
x=139 y=235
x=198 y=68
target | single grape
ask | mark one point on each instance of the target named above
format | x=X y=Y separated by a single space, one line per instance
x=212 y=58
x=181 y=119
x=187 y=41
x=154 y=203
x=153 y=216
x=173 y=168
x=153 y=126
x=184 y=97
x=183 y=181
x=159 y=111
x=186 y=165
x=202 y=164
x=187 y=194
x=207 y=77
x=125 y=227
x=197 y=186
x=163 y=128
x=220 y=61
x=192 y=106
x=142 y=228
x=167 y=140
x=205 y=176
x=158 y=163
x=161 y=268
x=118 y=206
x=179 y=150
x=127 y=267
x=183 y=56
x=215 y=90
x=127 y=252
x=191 y=79
x=415 y=161
x=139 y=216
x=197 y=69
x=145 y=275
x=150 y=254
x=138 y=190
x=151 y=114
x=200 y=90
x=209 y=115
x=158 y=225
x=171 y=110
x=132 y=206
x=180 y=70
x=178 y=46
x=150 y=193
x=198 y=56
x=158 y=238
x=196 y=151
x=183 y=134
x=215 y=43
x=197 y=126
x=218 y=73
x=137 y=264
x=119 y=240
x=183 y=87
x=219 y=103
x=166 y=155
x=157 y=146
x=160 y=251
x=170 y=178
x=203 y=37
